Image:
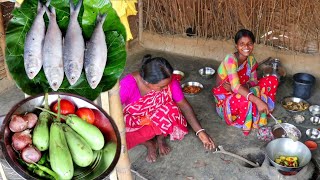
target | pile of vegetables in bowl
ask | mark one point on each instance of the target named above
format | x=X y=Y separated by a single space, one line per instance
x=61 y=141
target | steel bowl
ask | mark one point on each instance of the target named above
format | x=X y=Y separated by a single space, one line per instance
x=179 y=75
x=278 y=131
x=104 y=162
x=288 y=147
x=192 y=88
x=314 y=110
x=296 y=101
x=315 y=120
x=313 y=133
x=206 y=72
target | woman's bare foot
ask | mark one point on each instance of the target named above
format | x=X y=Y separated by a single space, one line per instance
x=152 y=151
x=164 y=149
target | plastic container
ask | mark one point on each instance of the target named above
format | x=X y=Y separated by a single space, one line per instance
x=303 y=84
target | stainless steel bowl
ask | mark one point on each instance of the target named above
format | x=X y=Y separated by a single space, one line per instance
x=297 y=101
x=314 y=110
x=278 y=131
x=313 y=133
x=104 y=162
x=288 y=147
x=207 y=72
x=188 y=87
x=315 y=120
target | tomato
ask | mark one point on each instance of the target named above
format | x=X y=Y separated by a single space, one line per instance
x=66 y=107
x=86 y=114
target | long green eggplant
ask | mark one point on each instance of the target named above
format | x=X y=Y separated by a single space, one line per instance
x=60 y=157
x=40 y=137
x=87 y=131
x=80 y=150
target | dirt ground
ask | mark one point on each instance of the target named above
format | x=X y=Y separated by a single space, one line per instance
x=188 y=159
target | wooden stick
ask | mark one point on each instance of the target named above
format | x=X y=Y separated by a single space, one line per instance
x=123 y=167
x=3 y=43
x=140 y=11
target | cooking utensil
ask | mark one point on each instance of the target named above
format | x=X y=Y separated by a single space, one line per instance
x=192 y=88
x=207 y=72
x=287 y=147
x=222 y=151
x=104 y=162
x=278 y=131
x=289 y=134
x=296 y=102
x=314 y=110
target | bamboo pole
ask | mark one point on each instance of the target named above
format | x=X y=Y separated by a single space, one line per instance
x=123 y=168
x=3 y=44
x=140 y=11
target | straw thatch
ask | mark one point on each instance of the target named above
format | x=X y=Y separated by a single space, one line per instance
x=286 y=24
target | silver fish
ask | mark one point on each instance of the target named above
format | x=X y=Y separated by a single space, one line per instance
x=95 y=56
x=34 y=42
x=73 y=50
x=52 y=52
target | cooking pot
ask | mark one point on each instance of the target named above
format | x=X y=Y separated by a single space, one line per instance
x=288 y=147
x=104 y=162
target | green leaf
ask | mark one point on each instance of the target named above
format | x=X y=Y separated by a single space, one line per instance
x=115 y=33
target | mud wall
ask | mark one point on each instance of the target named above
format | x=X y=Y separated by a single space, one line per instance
x=216 y=50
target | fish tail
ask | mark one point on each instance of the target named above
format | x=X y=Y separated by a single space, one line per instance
x=101 y=18
x=72 y=8
x=48 y=3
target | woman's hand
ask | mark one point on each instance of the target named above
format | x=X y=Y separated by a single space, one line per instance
x=227 y=86
x=206 y=140
x=262 y=106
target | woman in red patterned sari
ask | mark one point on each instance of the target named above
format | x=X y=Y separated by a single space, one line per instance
x=154 y=106
x=241 y=100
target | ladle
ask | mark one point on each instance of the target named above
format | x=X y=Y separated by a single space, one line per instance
x=290 y=135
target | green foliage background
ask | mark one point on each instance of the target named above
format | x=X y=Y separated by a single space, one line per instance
x=115 y=33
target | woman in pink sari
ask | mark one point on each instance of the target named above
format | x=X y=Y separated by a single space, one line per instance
x=154 y=106
x=241 y=100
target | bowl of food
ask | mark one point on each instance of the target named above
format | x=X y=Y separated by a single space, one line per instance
x=311 y=145
x=294 y=104
x=206 y=72
x=279 y=132
x=315 y=120
x=178 y=75
x=26 y=148
x=287 y=155
x=314 y=110
x=313 y=133
x=192 y=88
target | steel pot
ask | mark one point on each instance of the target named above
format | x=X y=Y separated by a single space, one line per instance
x=288 y=147
x=101 y=166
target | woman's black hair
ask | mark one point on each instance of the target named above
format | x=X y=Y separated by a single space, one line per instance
x=244 y=33
x=153 y=70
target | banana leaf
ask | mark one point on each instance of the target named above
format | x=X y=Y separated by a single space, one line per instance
x=114 y=31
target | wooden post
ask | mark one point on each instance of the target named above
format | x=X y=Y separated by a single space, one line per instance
x=123 y=168
x=140 y=11
x=3 y=44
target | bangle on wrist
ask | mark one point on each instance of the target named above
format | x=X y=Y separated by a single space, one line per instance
x=248 y=95
x=197 y=133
